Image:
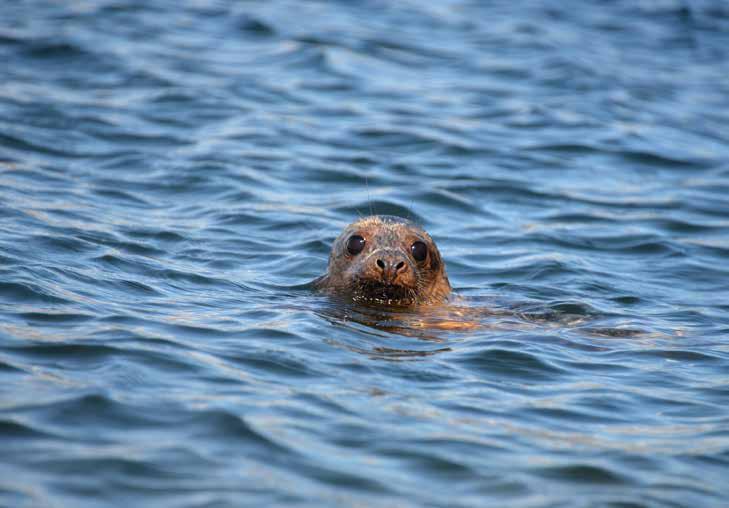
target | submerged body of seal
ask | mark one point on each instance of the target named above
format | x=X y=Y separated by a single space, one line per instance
x=393 y=267
x=386 y=260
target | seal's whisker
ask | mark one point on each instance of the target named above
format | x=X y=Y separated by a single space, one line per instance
x=369 y=199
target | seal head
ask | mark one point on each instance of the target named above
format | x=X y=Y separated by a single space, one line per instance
x=386 y=260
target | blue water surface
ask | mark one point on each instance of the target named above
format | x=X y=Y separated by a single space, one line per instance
x=172 y=175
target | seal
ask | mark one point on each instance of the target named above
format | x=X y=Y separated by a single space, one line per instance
x=386 y=260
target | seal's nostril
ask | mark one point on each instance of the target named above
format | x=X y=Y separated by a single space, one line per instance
x=381 y=264
x=399 y=266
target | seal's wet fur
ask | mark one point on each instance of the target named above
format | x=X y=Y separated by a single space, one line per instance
x=385 y=272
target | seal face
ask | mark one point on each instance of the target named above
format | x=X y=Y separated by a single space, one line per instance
x=386 y=260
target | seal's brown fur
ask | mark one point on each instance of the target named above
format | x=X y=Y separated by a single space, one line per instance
x=385 y=271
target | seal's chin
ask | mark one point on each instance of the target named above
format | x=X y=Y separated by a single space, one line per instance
x=384 y=294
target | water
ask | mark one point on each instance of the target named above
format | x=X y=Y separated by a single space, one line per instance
x=172 y=176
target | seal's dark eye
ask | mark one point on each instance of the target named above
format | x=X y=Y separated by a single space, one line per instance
x=355 y=244
x=419 y=250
